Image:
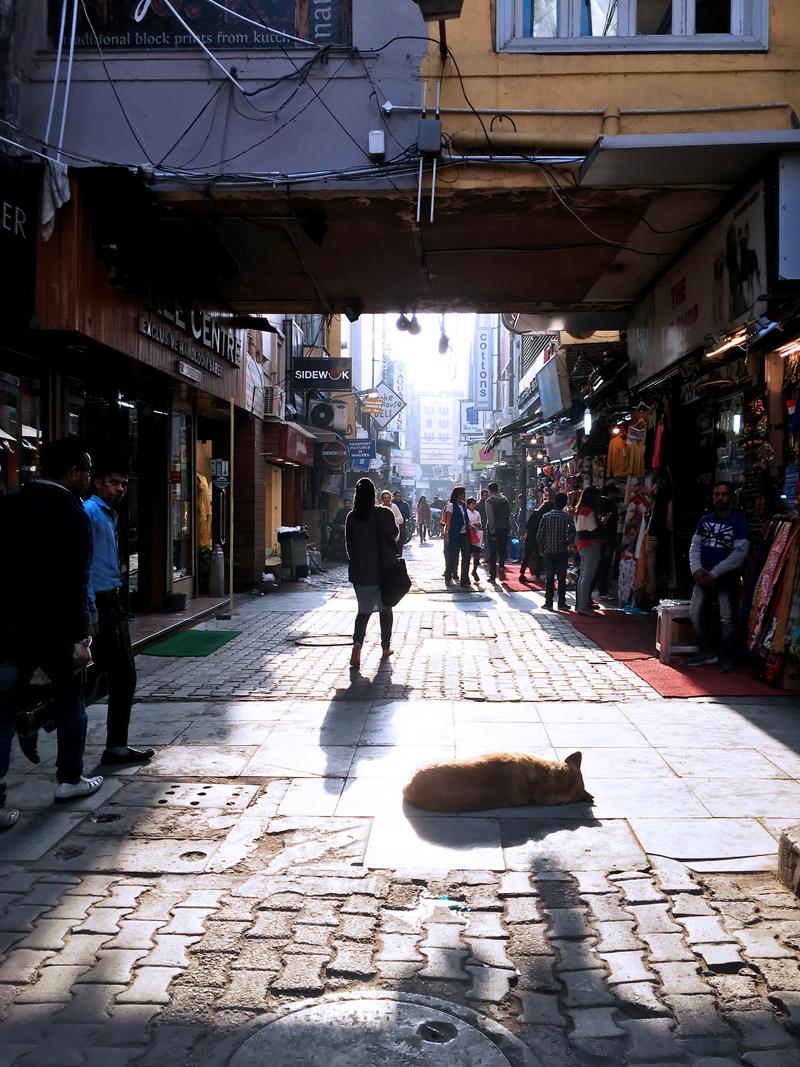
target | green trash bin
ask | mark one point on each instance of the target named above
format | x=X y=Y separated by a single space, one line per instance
x=294 y=551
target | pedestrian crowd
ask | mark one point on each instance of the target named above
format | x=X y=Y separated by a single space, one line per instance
x=577 y=546
x=61 y=579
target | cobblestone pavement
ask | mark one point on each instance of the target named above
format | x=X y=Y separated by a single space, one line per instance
x=264 y=857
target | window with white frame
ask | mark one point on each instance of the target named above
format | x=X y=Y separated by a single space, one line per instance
x=632 y=25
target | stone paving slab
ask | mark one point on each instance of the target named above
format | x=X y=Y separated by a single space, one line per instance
x=265 y=855
x=700 y=839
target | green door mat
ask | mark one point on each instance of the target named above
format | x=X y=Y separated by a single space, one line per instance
x=192 y=643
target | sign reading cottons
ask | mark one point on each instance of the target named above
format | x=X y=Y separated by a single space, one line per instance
x=482 y=362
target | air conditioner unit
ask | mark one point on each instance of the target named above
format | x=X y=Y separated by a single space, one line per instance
x=274 y=402
x=328 y=415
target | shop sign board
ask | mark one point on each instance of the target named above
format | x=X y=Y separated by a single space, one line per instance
x=330 y=375
x=334 y=453
x=471 y=420
x=718 y=285
x=483 y=457
x=392 y=404
x=19 y=189
x=553 y=383
x=361 y=449
x=297 y=447
x=186 y=370
x=151 y=24
x=483 y=368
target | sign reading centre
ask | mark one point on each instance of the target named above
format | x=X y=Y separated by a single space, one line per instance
x=329 y=374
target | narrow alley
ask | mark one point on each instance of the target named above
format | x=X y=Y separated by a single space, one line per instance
x=259 y=881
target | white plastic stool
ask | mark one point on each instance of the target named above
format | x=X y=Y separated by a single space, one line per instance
x=667 y=612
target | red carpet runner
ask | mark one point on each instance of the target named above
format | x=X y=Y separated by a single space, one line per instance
x=631 y=639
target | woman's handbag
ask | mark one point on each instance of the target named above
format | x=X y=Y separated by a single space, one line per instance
x=395 y=582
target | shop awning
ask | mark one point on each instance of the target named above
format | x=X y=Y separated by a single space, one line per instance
x=639 y=160
x=316 y=434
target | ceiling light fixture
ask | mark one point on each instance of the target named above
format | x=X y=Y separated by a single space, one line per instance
x=403 y=323
x=716 y=345
x=414 y=327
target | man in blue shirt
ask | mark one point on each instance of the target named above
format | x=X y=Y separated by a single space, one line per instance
x=112 y=644
x=716 y=555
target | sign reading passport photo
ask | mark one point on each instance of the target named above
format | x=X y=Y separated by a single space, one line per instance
x=113 y=24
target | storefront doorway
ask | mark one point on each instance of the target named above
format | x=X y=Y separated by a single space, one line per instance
x=20 y=430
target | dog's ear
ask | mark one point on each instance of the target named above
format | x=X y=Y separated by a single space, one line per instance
x=574 y=761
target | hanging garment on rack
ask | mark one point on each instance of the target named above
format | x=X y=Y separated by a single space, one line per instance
x=616 y=462
x=765 y=585
x=657 y=445
x=635 y=451
x=785 y=596
x=625 y=580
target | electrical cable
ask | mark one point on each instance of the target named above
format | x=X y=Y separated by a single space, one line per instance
x=594 y=233
x=194 y=36
x=318 y=96
x=57 y=70
x=299 y=252
x=289 y=121
x=190 y=127
x=270 y=29
x=24 y=148
x=68 y=79
x=129 y=121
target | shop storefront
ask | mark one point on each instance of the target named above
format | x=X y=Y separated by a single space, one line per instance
x=21 y=413
x=714 y=394
x=148 y=385
x=289 y=454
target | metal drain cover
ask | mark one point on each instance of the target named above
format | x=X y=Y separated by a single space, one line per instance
x=365 y=1030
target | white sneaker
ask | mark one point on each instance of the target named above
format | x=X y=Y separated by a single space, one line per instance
x=74 y=790
x=8 y=816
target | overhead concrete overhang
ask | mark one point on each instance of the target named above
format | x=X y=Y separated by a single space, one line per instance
x=508 y=241
x=638 y=161
x=516 y=249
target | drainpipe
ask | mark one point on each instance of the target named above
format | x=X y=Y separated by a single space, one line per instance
x=553 y=143
x=527 y=143
x=611 y=121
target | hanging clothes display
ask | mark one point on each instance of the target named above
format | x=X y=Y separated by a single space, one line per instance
x=635 y=450
x=772 y=616
x=633 y=538
x=616 y=460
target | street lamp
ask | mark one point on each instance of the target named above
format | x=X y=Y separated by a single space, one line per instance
x=438 y=11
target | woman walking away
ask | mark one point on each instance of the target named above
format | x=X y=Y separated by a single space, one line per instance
x=475 y=535
x=456 y=538
x=423 y=518
x=588 y=542
x=370 y=535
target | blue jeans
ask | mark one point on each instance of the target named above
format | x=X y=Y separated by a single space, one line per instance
x=555 y=566
x=458 y=555
x=496 y=551
x=69 y=713
x=703 y=597
x=590 y=559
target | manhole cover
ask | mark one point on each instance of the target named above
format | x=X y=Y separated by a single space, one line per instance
x=365 y=1030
